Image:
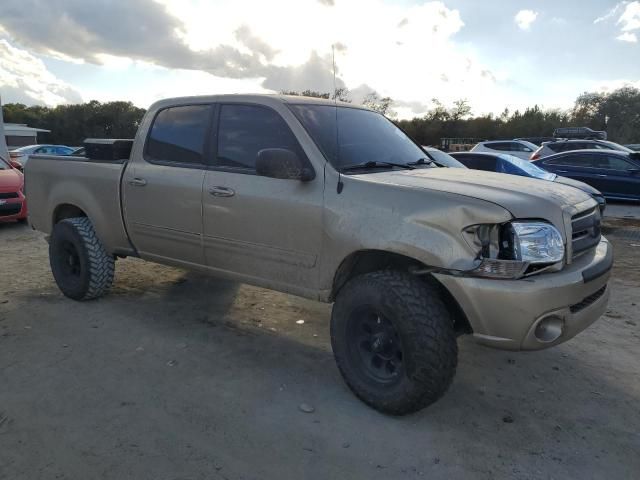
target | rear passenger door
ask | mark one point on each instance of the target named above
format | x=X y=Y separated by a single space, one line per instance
x=585 y=167
x=266 y=230
x=162 y=186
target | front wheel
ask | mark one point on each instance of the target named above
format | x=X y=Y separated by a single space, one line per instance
x=80 y=265
x=394 y=341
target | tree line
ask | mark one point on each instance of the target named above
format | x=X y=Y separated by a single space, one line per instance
x=71 y=124
x=617 y=112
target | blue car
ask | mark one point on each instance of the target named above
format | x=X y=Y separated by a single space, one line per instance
x=504 y=163
x=615 y=174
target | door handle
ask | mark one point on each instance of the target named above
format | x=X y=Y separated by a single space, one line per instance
x=221 y=192
x=562 y=171
x=137 y=182
x=601 y=175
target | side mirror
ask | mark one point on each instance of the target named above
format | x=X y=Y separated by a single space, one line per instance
x=16 y=164
x=284 y=164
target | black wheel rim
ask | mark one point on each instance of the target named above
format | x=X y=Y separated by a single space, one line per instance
x=375 y=346
x=70 y=260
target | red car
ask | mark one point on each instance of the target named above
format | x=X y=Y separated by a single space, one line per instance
x=13 y=204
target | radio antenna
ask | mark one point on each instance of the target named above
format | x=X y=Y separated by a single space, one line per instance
x=335 y=103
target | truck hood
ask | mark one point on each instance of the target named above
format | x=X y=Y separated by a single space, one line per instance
x=523 y=197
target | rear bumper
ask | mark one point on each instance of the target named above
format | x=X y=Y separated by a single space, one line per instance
x=510 y=314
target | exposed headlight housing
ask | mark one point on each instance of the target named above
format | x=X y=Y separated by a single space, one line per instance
x=514 y=249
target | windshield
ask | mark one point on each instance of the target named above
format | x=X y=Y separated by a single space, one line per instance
x=361 y=136
x=443 y=159
x=518 y=166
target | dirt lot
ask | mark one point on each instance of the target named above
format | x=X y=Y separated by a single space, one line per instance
x=176 y=376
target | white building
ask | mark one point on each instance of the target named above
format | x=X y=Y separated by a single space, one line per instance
x=19 y=135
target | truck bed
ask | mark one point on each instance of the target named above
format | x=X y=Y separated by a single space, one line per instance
x=94 y=186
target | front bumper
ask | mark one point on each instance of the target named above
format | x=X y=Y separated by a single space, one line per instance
x=506 y=313
x=13 y=209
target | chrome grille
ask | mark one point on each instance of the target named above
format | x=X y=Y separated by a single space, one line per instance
x=585 y=231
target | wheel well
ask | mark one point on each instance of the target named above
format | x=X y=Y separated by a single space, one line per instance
x=366 y=261
x=67 y=210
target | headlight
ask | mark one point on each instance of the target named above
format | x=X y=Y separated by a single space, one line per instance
x=514 y=249
x=537 y=242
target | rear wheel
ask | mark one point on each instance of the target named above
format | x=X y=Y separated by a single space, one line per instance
x=80 y=265
x=394 y=341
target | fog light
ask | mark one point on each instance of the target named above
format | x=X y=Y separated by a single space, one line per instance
x=549 y=329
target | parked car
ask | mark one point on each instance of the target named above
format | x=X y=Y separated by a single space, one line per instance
x=408 y=253
x=558 y=146
x=22 y=154
x=518 y=148
x=504 y=163
x=443 y=159
x=616 y=174
x=634 y=146
x=13 y=206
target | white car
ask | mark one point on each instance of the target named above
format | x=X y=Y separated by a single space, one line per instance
x=21 y=155
x=517 y=148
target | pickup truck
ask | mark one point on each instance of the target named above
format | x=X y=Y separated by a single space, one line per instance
x=335 y=203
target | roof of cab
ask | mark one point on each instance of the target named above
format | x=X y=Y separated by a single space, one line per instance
x=264 y=99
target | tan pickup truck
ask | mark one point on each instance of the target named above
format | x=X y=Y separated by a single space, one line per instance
x=333 y=202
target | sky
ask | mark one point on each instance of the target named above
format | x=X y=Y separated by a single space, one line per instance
x=497 y=54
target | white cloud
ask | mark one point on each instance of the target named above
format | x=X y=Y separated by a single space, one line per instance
x=628 y=21
x=628 y=37
x=524 y=19
x=24 y=78
x=630 y=18
x=610 y=14
x=400 y=51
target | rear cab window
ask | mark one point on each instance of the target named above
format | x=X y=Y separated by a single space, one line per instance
x=178 y=135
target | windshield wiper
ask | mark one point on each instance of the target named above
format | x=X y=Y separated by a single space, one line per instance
x=424 y=161
x=376 y=164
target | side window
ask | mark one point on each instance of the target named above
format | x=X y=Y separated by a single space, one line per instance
x=556 y=147
x=570 y=161
x=63 y=151
x=518 y=147
x=466 y=160
x=178 y=134
x=244 y=130
x=479 y=162
x=500 y=146
x=614 y=162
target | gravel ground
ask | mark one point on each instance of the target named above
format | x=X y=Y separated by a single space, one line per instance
x=178 y=376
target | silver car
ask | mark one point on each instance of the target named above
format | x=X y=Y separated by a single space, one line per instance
x=559 y=146
x=517 y=148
